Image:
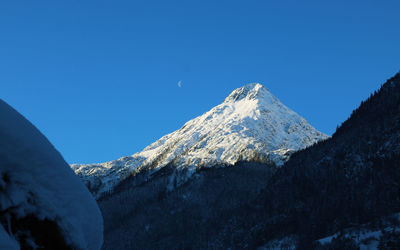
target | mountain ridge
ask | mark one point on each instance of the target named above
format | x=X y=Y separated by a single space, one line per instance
x=250 y=125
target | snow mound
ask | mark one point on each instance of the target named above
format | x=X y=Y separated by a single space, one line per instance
x=250 y=125
x=40 y=197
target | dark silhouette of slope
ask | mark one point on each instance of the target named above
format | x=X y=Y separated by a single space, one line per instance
x=350 y=179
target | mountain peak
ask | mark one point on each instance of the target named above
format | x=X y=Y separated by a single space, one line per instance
x=249 y=91
x=250 y=125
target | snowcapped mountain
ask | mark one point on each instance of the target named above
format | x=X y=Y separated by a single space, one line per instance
x=250 y=125
x=43 y=205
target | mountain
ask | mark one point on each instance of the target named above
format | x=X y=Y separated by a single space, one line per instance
x=340 y=193
x=250 y=125
x=43 y=204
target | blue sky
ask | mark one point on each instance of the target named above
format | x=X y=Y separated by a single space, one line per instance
x=100 y=78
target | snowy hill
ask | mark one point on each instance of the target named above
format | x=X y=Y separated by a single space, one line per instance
x=42 y=203
x=250 y=125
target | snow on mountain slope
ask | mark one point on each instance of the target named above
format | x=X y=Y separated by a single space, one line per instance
x=40 y=197
x=250 y=125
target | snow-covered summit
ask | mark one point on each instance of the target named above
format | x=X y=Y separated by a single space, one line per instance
x=250 y=125
x=250 y=91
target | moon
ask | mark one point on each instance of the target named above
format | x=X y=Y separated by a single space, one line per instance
x=180 y=84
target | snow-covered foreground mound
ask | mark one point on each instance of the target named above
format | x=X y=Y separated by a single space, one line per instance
x=42 y=203
x=250 y=125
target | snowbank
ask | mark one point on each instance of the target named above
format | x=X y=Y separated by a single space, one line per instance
x=40 y=197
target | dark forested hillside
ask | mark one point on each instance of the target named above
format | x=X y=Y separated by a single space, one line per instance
x=350 y=179
x=142 y=214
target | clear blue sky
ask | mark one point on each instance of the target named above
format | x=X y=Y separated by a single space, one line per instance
x=100 y=78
